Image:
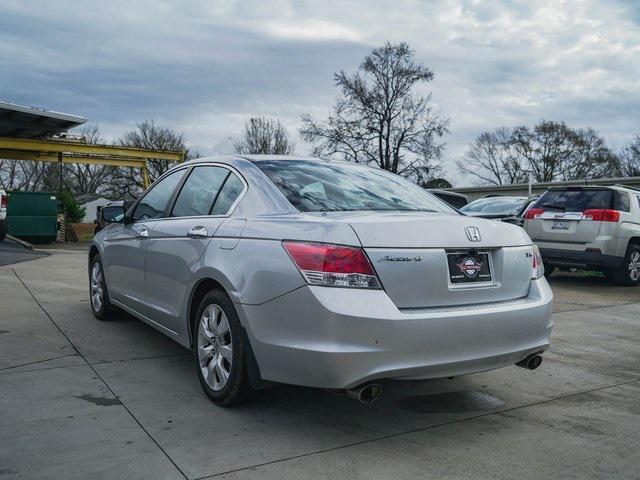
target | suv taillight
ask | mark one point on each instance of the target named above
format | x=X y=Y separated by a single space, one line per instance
x=602 y=215
x=332 y=265
x=537 y=265
x=4 y=201
x=533 y=213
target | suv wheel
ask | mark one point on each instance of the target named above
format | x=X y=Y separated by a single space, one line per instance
x=219 y=351
x=4 y=227
x=98 y=294
x=629 y=273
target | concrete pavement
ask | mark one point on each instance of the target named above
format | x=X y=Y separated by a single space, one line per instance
x=86 y=399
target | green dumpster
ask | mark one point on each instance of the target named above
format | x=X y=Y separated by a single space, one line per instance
x=32 y=216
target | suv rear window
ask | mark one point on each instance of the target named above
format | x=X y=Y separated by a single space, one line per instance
x=575 y=200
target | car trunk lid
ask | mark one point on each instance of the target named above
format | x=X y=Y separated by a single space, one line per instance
x=427 y=260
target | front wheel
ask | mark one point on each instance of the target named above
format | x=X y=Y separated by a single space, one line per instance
x=628 y=274
x=98 y=294
x=219 y=351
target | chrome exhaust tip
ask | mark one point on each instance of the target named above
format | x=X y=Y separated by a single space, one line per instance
x=531 y=362
x=367 y=393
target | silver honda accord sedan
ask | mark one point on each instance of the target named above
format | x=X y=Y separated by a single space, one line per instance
x=319 y=273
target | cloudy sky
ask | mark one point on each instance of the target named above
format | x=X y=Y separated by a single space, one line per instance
x=203 y=67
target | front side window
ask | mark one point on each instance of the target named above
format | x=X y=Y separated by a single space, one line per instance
x=199 y=191
x=312 y=186
x=154 y=202
x=109 y=214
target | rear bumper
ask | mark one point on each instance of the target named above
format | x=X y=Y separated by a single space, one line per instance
x=582 y=258
x=340 y=338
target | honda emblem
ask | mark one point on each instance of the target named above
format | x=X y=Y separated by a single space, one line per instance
x=473 y=233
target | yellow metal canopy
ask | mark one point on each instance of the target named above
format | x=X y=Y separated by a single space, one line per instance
x=62 y=151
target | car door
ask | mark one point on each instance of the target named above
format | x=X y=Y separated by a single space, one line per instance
x=124 y=253
x=176 y=243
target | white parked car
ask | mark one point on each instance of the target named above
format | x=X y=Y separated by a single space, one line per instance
x=4 y=203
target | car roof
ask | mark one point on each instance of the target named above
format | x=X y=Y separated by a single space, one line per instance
x=594 y=187
x=447 y=192
x=502 y=197
x=236 y=159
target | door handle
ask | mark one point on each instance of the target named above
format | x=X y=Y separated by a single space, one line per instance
x=197 y=232
x=142 y=232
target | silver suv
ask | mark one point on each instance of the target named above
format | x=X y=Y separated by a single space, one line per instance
x=589 y=227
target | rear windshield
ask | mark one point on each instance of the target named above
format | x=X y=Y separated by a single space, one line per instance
x=575 y=200
x=496 y=205
x=335 y=187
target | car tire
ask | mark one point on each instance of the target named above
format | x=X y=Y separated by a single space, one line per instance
x=548 y=270
x=4 y=228
x=98 y=293
x=219 y=353
x=628 y=275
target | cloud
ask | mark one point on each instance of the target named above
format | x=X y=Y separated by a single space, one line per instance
x=203 y=67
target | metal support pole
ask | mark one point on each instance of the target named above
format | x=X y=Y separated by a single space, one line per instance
x=145 y=176
x=60 y=167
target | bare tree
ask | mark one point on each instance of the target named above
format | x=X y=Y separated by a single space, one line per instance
x=263 y=135
x=128 y=182
x=26 y=175
x=629 y=161
x=380 y=116
x=83 y=178
x=553 y=151
x=549 y=151
x=491 y=159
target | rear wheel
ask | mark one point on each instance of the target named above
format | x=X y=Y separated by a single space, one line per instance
x=219 y=351
x=4 y=227
x=629 y=273
x=548 y=270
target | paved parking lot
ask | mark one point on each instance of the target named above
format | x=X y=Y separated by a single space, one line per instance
x=13 y=252
x=86 y=399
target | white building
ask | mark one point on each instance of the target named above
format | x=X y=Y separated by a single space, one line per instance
x=91 y=202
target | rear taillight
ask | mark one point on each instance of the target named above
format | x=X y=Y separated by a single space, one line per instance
x=332 y=265
x=4 y=201
x=601 y=215
x=538 y=265
x=533 y=213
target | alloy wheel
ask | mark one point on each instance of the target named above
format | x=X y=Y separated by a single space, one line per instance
x=634 y=266
x=97 y=289
x=215 y=349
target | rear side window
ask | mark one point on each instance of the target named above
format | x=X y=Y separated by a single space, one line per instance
x=155 y=201
x=230 y=192
x=575 y=200
x=621 y=201
x=199 y=191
